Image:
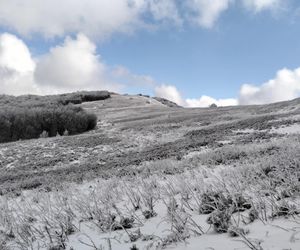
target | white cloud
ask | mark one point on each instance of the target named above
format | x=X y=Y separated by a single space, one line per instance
x=15 y=54
x=172 y=93
x=206 y=101
x=169 y=92
x=96 y=18
x=72 y=66
x=285 y=86
x=101 y=18
x=16 y=66
x=56 y=17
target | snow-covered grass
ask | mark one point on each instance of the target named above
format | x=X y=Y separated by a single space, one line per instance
x=292 y=129
x=251 y=205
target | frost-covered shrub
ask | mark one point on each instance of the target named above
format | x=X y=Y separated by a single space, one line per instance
x=285 y=209
x=239 y=203
x=211 y=201
x=220 y=220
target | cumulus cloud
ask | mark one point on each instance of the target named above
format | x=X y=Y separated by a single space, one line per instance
x=285 y=86
x=101 y=18
x=16 y=66
x=74 y=65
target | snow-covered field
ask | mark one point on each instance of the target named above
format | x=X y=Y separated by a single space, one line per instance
x=203 y=207
x=152 y=177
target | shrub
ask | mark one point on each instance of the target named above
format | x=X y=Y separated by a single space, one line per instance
x=212 y=201
x=83 y=96
x=240 y=203
x=24 y=123
x=220 y=221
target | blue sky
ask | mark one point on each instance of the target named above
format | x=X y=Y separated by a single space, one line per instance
x=202 y=52
x=242 y=48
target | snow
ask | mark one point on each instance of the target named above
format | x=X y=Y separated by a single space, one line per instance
x=278 y=234
x=292 y=129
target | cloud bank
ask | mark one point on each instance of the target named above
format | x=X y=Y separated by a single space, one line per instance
x=206 y=101
x=284 y=86
x=101 y=18
x=171 y=93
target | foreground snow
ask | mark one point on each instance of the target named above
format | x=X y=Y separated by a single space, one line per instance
x=72 y=218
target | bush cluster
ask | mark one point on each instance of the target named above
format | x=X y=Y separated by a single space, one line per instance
x=26 y=123
x=33 y=116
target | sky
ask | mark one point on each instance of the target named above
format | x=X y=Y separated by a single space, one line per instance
x=193 y=52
